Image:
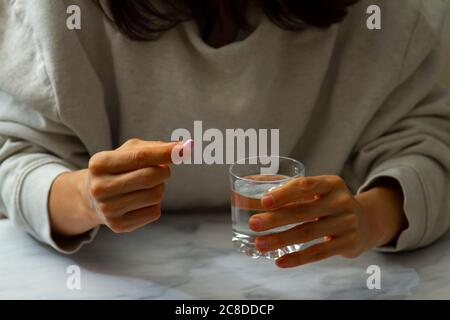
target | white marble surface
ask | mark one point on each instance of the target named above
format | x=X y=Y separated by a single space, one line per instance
x=190 y=256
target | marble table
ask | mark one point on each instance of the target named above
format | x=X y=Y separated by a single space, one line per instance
x=190 y=256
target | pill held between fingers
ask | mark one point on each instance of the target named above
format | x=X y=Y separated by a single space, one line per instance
x=187 y=145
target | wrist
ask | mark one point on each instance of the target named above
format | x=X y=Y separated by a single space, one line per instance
x=376 y=233
x=383 y=208
x=69 y=213
x=83 y=199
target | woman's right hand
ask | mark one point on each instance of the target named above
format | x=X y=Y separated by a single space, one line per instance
x=122 y=189
x=125 y=186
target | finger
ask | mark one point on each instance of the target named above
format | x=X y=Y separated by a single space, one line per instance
x=133 y=143
x=132 y=201
x=314 y=253
x=135 y=219
x=107 y=187
x=299 y=188
x=329 y=226
x=120 y=161
x=293 y=213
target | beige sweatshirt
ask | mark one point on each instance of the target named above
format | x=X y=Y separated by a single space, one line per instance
x=349 y=101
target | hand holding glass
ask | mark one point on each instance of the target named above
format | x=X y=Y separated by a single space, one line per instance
x=248 y=186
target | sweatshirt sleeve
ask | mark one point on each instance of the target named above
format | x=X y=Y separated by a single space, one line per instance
x=35 y=147
x=414 y=148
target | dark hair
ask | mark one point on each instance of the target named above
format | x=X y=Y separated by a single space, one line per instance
x=145 y=19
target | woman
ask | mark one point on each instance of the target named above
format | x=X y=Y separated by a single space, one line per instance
x=82 y=113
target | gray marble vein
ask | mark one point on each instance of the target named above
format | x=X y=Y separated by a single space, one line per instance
x=190 y=256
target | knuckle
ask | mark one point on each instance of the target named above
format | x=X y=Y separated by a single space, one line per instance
x=133 y=141
x=97 y=162
x=118 y=185
x=138 y=156
x=304 y=183
x=344 y=201
x=147 y=174
x=117 y=227
x=129 y=144
x=351 y=252
x=106 y=209
x=97 y=189
x=152 y=214
x=336 y=180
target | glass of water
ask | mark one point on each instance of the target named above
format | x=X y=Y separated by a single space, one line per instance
x=250 y=179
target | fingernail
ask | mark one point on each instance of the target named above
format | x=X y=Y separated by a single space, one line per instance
x=267 y=201
x=281 y=263
x=261 y=244
x=254 y=223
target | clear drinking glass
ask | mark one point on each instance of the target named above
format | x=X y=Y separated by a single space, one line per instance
x=248 y=185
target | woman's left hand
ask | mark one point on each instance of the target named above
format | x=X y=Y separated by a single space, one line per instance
x=327 y=209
